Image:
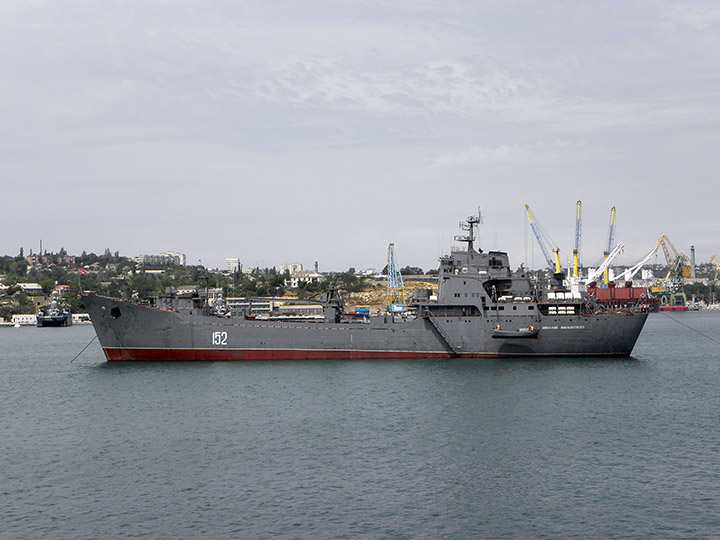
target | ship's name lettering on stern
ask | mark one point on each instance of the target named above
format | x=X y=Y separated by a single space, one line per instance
x=574 y=327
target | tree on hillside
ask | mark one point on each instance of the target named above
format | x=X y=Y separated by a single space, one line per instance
x=411 y=271
x=18 y=268
x=47 y=285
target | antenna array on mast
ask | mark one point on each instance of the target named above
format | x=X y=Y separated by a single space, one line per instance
x=469 y=225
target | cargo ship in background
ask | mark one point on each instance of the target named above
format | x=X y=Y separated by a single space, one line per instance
x=612 y=296
x=668 y=296
x=483 y=309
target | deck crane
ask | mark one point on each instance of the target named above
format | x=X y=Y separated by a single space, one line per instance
x=630 y=272
x=669 y=256
x=540 y=238
x=610 y=246
x=395 y=286
x=606 y=263
x=578 y=234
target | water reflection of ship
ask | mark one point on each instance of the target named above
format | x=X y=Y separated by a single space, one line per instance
x=54 y=314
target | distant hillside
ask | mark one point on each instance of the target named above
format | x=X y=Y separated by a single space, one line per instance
x=375 y=296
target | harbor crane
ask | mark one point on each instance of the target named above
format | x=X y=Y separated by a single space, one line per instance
x=543 y=247
x=578 y=234
x=671 y=293
x=395 y=286
x=678 y=263
x=714 y=259
x=610 y=246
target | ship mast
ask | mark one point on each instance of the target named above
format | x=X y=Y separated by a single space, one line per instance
x=469 y=225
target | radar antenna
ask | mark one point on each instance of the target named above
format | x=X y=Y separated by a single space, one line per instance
x=469 y=225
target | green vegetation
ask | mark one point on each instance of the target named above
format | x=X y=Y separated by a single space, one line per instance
x=13 y=266
x=412 y=271
x=700 y=292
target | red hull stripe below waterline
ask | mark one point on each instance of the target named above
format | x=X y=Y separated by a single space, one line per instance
x=118 y=354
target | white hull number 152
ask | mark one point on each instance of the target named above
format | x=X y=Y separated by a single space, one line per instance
x=219 y=338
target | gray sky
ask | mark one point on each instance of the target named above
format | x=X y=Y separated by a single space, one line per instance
x=323 y=130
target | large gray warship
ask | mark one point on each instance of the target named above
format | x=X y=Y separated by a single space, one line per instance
x=483 y=309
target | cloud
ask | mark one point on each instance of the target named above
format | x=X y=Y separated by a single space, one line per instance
x=424 y=89
x=701 y=15
x=537 y=152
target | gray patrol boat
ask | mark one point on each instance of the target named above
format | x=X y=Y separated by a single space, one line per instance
x=483 y=309
x=54 y=314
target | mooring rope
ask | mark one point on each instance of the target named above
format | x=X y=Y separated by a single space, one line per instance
x=691 y=328
x=85 y=347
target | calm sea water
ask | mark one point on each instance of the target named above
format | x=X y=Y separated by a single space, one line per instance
x=552 y=448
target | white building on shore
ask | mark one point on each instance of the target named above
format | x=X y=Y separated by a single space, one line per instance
x=162 y=259
x=233 y=264
x=298 y=275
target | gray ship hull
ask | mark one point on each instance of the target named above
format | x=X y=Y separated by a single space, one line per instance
x=44 y=321
x=129 y=331
x=483 y=309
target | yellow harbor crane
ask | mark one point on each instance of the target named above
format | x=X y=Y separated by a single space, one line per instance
x=540 y=236
x=714 y=259
x=671 y=293
x=678 y=263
